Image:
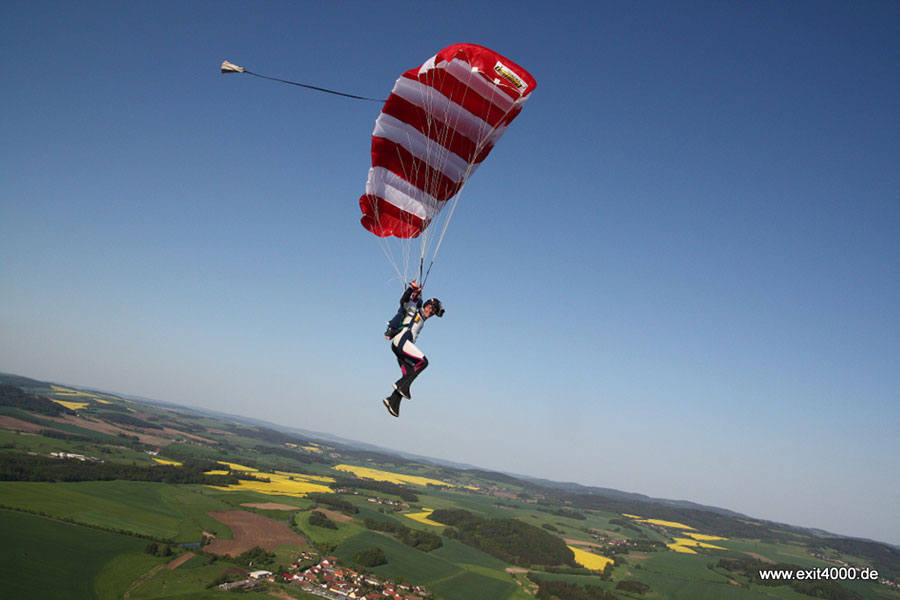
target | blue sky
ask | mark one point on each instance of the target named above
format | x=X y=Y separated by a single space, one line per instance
x=677 y=274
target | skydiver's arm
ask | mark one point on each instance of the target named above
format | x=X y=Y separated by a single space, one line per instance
x=411 y=294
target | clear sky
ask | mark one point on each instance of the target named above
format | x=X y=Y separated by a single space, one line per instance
x=678 y=273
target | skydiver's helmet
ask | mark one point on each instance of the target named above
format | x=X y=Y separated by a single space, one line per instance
x=436 y=306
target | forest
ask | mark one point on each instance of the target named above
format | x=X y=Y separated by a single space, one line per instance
x=510 y=540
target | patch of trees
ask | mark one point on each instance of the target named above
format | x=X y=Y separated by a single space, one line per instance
x=626 y=525
x=158 y=549
x=885 y=559
x=420 y=540
x=604 y=575
x=257 y=557
x=335 y=502
x=563 y=590
x=18 y=398
x=383 y=487
x=294 y=455
x=510 y=540
x=319 y=519
x=25 y=467
x=750 y=568
x=371 y=557
x=21 y=382
x=633 y=587
x=130 y=421
x=562 y=512
x=62 y=435
x=269 y=436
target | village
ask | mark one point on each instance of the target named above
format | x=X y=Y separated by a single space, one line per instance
x=329 y=580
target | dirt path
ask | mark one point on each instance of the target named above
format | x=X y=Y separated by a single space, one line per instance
x=180 y=560
x=759 y=557
x=583 y=543
x=141 y=580
x=270 y=506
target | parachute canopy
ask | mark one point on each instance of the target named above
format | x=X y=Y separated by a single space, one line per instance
x=440 y=122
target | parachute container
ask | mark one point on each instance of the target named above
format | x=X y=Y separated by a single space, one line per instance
x=440 y=122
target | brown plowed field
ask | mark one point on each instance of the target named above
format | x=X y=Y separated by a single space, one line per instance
x=14 y=424
x=252 y=530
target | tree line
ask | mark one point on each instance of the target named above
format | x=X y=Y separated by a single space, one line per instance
x=335 y=502
x=563 y=590
x=382 y=487
x=25 y=467
x=10 y=395
x=415 y=538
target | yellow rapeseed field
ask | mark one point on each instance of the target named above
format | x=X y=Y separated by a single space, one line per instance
x=705 y=538
x=237 y=467
x=280 y=483
x=422 y=517
x=671 y=524
x=589 y=560
x=72 y=405
x=64 y=391
x=320 y=478
x=685 y=545
x=163 y=461
x=398 y=478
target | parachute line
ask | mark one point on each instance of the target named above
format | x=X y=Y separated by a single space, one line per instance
x=227 y=67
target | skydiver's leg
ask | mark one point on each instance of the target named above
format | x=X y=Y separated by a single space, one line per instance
x=412 y=362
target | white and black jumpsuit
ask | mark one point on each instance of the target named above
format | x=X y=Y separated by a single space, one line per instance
x=412 y=360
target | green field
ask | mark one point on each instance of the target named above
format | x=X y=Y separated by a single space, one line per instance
x=44 y=558
x=163 y=511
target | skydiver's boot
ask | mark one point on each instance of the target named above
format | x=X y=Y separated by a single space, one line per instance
x=392 y=403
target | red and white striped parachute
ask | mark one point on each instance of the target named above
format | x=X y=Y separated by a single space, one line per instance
x=439 y=123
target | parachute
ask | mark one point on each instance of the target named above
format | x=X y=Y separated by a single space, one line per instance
x=440 y=122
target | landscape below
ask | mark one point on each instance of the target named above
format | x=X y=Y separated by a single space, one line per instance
x=106 y=497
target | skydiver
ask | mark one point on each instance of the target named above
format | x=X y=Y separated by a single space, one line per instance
x=403 y=330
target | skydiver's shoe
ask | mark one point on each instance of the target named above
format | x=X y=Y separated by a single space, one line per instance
x=392 y=404
x=403 y=392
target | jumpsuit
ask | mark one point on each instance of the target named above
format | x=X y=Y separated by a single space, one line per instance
x=412 y=361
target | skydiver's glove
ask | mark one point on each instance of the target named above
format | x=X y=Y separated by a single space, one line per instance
x=415 y=290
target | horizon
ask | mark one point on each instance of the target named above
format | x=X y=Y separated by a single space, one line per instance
x=445 y=463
